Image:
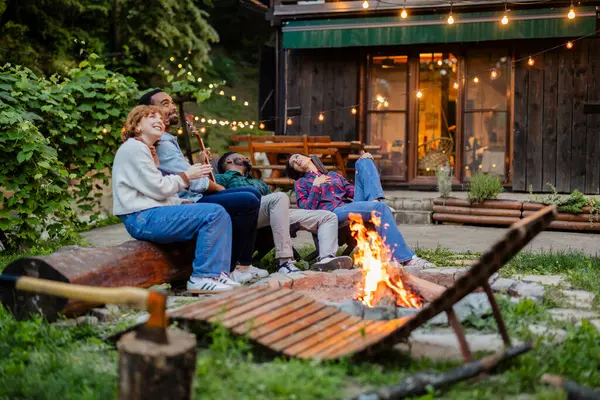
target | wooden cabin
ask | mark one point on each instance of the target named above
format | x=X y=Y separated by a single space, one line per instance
x=520 y=100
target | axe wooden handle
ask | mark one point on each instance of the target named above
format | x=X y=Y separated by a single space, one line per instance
x=123 y=296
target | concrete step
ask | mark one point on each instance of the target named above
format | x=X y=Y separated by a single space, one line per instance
x=413 y=217
x=405 y=203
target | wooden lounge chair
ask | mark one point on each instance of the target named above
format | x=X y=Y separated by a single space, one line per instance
x=291 y=324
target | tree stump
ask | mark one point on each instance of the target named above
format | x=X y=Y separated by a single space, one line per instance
x=149 y=370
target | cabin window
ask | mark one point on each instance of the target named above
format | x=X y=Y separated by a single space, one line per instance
x=386 y=112
x=486 y=115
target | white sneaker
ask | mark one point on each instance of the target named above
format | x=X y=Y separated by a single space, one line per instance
x=206 y=285
x=257 y=272
x=330 y=263
x=240 y=276
x=419 y=263
x=226 y=279
x=288 y=267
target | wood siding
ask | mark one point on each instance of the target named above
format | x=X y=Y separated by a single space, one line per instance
x=321 y=80
x=554 y=140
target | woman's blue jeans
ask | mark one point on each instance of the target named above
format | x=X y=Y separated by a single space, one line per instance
x=242 y=204
x=366 y=189
x=208 y=224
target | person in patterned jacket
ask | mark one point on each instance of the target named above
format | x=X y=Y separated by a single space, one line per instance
x=332 y=192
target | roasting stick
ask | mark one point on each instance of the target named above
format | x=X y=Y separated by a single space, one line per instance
x=202 y=147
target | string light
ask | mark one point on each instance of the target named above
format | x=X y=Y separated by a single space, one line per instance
x=450 y=17
x=222 y=93
x=234 y=128
x=261 y=125
x=203 y=120
x=199 y=79
x=321 y=117
x=419 y=94
x=386 y=104
x=476 y=80
x=211 y=86
x=504 y=19
x=455 y=85
x=179 y=131
x=179 y=66
x=569 y=45
x=365 y=4
x=571 y=13
x=196 y=118
x=246 y=103
x=233 y=98
x=403 y=13
x=494 y=74
x=354 y=110
x=105 y=131
x=172 y=59
x=289 y=121
x=530 y=61
x=203 y=130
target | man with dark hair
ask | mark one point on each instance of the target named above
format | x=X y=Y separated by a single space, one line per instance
x=242 y=204
x=275 y=211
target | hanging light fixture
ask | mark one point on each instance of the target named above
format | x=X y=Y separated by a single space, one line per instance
x=403 y=13
x=571 y=13
x=261 y=125
x=504 y=19
x=494 y=74
x=569 y=45
x=321 y=117
x=289 y=121
x=476 y=80
x=450 y=17
x=354 y=110
x=530 y=61
x=365 y=4
x=419 y=94
x=455 y=85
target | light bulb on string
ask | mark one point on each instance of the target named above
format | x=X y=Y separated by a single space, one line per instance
x=365 y=4
x=233 y=98
x=321 y=117
x=419 y=94
x=199 y=79
x=196 y=118
x=450 y=17
x=571 y=13
x=261 y=125
x=494 y=74
x=530 y=62
x=504 y=19
x=386 y=104
x=289 y=121
x=222 y=93
x=211 y=86
x=354 y=110
x=203 y=120
x=203 y=130
x=105 y=131
x=179 y=66
x=246 y=103
x=234 y=128
x=403 y=14
x=179 y=131
x=569 y=45
x=455 y=86
x=476 y=80
x=172 y=59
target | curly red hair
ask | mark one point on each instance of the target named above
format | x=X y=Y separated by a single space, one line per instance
x=134 y=118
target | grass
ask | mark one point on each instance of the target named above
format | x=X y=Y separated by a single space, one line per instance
x=43 y=361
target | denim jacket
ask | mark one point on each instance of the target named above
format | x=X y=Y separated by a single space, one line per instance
x=172 y=161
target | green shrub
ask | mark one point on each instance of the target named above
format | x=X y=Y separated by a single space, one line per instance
x=484 y=187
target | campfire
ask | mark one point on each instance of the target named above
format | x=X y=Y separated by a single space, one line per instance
x=382 y=281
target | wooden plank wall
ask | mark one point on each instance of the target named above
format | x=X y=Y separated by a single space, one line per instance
x=554 y=140
x=321 y=80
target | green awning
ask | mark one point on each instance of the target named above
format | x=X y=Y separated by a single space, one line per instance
x=472 y=27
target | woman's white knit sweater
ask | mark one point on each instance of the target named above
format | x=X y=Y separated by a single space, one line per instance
x=137 y=183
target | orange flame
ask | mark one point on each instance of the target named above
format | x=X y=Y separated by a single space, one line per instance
x=374 y=256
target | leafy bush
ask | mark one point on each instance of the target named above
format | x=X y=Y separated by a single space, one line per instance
x=444 y=179
x=484 y=187
x=33 y=181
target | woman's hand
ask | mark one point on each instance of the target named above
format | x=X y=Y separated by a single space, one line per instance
x=366 y=155
x=198 y=171
x=319 y=180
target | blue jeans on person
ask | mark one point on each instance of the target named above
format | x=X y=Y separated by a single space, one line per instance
x=208 y=224
x=366 y=189
x=242 y=204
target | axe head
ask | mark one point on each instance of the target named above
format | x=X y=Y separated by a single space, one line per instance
x=155 y=329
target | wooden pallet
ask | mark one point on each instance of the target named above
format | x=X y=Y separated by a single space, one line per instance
x=294 y=325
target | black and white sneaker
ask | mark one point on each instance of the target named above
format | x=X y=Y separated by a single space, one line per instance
x=226 y=280
x=330 y=263
x=288 y=267
x=206 y=285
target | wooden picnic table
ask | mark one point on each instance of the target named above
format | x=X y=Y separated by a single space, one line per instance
x=336 y=154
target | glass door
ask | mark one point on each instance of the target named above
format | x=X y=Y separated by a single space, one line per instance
x=437 y=109
x=386 y=113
